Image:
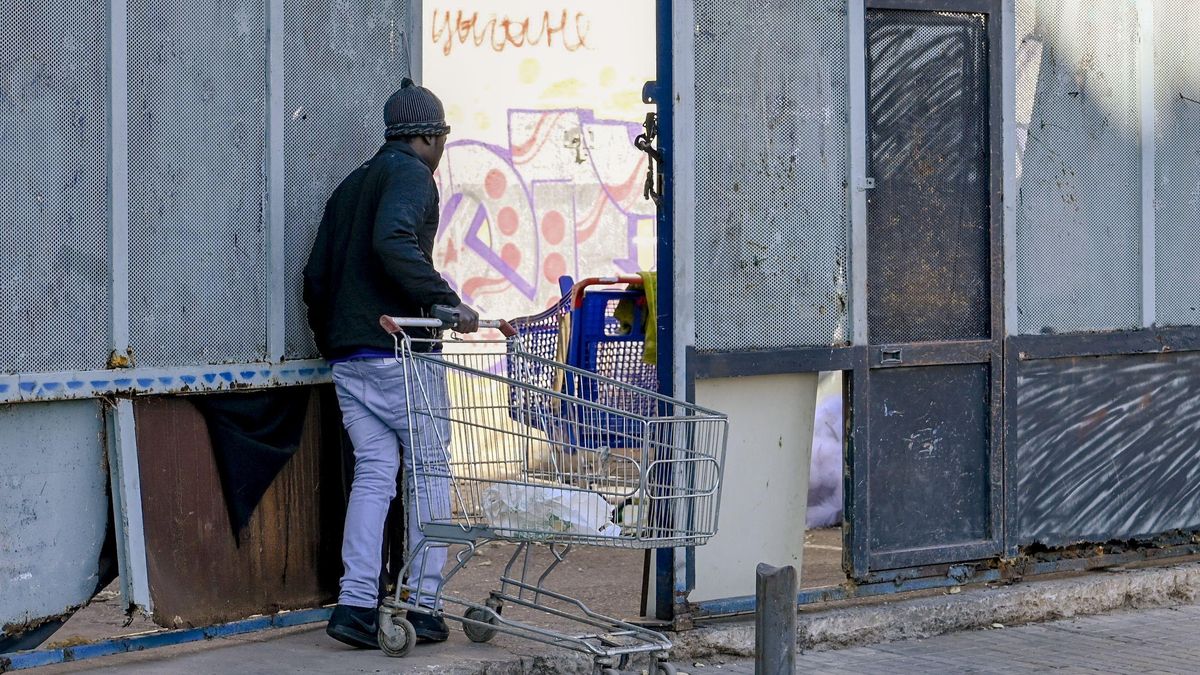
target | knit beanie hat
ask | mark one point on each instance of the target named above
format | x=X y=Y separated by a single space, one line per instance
x=414 y=111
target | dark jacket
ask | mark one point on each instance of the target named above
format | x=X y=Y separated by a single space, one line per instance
x=373 y=254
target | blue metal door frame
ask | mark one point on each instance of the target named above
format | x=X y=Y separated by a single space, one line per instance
x=666 y=585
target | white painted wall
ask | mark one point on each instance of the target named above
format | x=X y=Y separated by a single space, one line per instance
x=765 y=492
x=53 y=507
x=540 y=177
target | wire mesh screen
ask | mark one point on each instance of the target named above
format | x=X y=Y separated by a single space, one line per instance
x=1079 y=166
x=197 y=101
x=771 y=165
x=929 y=218
x=53 y=185
x=343 y=59
x=1177 y=170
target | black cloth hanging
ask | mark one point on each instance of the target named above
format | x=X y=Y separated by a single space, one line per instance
x=253 y=435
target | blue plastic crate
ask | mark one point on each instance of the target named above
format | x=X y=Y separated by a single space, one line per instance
x=596 y=345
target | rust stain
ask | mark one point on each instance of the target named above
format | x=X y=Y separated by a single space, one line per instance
x=118 y=360
x=73 y=641
x=288 y=556
x=34 y=624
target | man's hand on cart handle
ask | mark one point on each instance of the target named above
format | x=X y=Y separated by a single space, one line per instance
x=445 y=317
x=462 y=318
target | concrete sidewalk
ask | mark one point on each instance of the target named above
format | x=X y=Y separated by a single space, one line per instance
x=1145 y=641
x=946 y=632
x=1134 y=642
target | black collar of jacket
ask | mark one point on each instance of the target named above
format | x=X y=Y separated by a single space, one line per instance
x=404 y=147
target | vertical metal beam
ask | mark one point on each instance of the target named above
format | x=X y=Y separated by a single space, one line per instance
x=1148 y=133
x=683 y=197
x=856 y=26
x=122 y=446
x=682 y=49
x=127 y=506
x=664 y=559
x=118 y=180
x=276 y=205
x=1008 y=144
x=414 y=36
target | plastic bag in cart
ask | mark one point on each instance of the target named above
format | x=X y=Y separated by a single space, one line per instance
x=547 y=510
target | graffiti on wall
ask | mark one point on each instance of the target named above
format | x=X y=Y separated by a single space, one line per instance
x=563 y=198
x=568 y=30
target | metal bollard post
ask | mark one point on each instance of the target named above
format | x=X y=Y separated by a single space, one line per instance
x=775 y=620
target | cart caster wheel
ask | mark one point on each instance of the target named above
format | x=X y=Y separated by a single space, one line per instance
x=664 y=668
x=397 y=637
x=475 y=632
x=495 y=605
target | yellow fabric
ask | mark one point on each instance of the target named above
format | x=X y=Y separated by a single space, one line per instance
x=560 y=350
x=624 y=314
x=650 y=284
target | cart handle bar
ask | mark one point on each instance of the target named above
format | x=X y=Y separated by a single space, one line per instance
x=577 y=289
x=444 y=317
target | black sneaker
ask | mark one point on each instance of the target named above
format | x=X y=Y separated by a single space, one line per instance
x=429 y=628
x=355 y=626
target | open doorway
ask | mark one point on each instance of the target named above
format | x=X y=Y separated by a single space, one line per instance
x=826 y=497
x=541 y=180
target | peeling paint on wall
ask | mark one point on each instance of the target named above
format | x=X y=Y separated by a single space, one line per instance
x=53 y=508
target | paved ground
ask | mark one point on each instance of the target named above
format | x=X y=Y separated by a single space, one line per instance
x=1149 y=641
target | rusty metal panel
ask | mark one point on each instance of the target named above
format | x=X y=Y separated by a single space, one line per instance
x=288 y=555
x=928 y=217
x=343 y=59
x=925 y=456
x=771 y=170
x=197 y=119
x=53 y=194
x=54 y=511
x=1107 y=448
x=1177 y=162
x=1079 y=208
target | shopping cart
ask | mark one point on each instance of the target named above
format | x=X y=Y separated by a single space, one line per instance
x=504 y=463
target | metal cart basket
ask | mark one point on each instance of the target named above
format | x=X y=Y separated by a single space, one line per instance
x=507 y=458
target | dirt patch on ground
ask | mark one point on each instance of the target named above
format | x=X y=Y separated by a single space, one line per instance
x=822 y=558
x=606 y=580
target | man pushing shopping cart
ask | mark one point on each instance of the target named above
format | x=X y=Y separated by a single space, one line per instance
x=373 y=255
x=627 y=467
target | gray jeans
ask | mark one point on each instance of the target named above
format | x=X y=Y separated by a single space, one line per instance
x=376 y=403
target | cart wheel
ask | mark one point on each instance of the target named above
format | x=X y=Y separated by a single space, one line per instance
x=397 y=637
x=664 y=668
x=475 y=632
